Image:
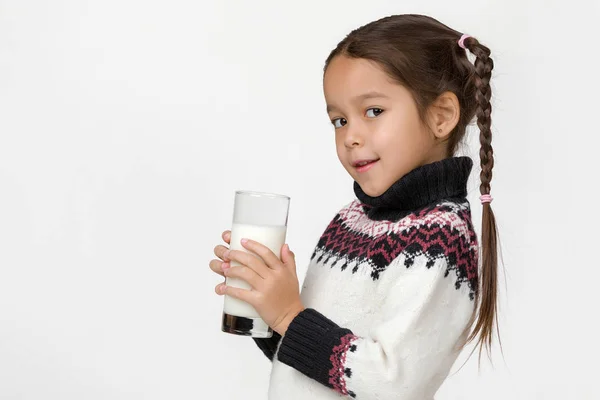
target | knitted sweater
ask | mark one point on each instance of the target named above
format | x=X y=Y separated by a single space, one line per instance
x=389 y=294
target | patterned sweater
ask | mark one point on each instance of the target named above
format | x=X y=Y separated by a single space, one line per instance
x=389 y=294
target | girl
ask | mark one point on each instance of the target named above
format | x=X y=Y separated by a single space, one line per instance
x=393 y=290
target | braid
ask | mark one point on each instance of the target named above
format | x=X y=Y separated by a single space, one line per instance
x=487 y=294
x=483 y=72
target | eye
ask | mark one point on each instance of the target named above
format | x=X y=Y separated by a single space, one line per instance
x=376 y=111
x=342 y=122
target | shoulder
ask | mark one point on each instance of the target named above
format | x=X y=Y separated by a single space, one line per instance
x=444 y=229
x=440 y=233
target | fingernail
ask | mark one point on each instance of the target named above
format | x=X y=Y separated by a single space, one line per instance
x=226 y=254
x=225 y=266
x=222 y=289
x=244 y=241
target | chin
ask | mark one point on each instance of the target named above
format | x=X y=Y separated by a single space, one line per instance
x=372 y=191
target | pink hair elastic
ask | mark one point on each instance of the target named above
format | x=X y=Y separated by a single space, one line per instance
x=486 y=198
x=461 y=41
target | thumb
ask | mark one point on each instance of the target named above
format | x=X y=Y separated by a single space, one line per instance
x=287 y=256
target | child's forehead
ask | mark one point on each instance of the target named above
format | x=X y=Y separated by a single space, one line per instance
x=345 y=70
x=356 y=80
x=356 y=76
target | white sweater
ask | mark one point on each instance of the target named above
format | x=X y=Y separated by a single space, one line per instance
x=389 y=294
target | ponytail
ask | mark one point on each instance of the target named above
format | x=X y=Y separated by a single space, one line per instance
x=487 y=315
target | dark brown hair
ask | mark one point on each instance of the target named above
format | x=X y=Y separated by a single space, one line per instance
x=423 y=55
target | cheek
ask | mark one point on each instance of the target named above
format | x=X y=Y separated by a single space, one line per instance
x=342 y=157
x=409 y=138
x=339 y=147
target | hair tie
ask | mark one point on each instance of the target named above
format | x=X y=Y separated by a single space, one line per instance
x=486 y=198
x=461 y=41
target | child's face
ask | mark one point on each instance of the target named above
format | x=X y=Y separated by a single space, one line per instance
x=385 y=128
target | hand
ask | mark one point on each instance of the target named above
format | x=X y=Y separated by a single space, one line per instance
x=217 y=265
x=275 y=292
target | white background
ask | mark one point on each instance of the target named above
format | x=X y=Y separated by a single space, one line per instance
x=126 y=126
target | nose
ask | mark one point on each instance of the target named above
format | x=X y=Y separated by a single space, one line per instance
x=354 y=136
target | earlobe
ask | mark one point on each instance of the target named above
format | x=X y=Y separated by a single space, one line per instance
x=444 y=114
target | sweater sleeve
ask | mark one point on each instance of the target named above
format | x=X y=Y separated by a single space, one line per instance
x=424 y=317
x=269 y=346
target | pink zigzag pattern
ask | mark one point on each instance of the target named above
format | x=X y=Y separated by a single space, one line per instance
x=435 y=232
x=338 y=360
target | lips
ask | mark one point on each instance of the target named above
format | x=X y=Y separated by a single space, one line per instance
x=364 y=165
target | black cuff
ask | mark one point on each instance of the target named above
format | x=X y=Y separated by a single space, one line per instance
x=308 y=344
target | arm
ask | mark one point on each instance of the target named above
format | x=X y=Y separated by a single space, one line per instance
x=423 y=321
x=268 y=346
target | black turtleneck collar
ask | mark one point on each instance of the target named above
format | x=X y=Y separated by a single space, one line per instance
x=423 y=186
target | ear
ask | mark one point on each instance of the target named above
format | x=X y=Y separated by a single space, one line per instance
x=443 y=115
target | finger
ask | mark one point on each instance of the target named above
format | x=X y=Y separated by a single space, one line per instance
x=246 y=274
x=216 y=266
x=263 y=252
x=247 y=296
x=219 y=288
x=226 y=236
x=287 y=256
x=250 y=261
x=220 y=252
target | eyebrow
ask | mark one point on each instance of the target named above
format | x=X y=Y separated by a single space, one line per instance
x=361 y=97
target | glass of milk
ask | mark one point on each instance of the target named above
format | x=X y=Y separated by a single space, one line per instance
x=261 y=217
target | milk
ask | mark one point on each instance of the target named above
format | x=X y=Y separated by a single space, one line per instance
x=272 y=237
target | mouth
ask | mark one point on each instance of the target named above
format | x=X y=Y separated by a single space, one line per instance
x=364 y=165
